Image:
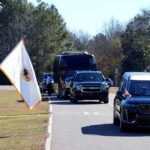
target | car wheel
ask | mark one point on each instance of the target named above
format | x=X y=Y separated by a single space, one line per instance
x=100 y=101
x=123 y=127
x=106 y=100
x=74 y=100
x=115 y=118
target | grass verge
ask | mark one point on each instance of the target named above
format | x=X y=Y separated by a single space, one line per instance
x=21 y=128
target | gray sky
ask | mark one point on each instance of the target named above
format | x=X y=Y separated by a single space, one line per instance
x=90 y=16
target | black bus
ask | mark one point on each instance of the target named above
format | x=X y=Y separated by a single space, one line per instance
x=66 y=64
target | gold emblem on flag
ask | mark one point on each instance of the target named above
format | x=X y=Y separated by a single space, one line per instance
x=26 y=75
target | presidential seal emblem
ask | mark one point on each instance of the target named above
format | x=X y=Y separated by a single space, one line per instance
x=26 y=75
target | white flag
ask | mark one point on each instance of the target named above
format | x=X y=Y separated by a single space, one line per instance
x=18 y=68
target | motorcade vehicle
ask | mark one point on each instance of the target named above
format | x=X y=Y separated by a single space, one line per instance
x=47 y=83
x=131 y=107
x=110 y=82
x=65 y=64
x=89 y=85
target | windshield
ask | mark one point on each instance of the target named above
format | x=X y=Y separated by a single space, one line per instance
x=138 y=87
x=78 y=62
x=89 y=77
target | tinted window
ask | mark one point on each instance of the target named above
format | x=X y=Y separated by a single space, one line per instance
x=139 y=87
x=89 y=77
x=78 y=62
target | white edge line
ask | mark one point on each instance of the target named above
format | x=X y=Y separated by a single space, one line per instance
x=86 y=113
x=48 y=140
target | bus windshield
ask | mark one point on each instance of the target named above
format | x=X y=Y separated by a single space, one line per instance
x=78 y=62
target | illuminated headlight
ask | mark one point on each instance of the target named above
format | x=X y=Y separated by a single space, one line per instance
x=78 y=87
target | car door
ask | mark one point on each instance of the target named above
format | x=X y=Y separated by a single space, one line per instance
x=120 y=96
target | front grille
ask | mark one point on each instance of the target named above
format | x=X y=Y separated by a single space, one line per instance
x=91 y=89
x=145 y=109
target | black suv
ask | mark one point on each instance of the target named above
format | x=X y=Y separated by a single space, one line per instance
x=132 y=101
x=89 y=85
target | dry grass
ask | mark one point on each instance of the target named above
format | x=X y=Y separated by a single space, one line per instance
x=21 y=128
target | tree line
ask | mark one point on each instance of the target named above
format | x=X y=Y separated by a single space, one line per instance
x=117 y=49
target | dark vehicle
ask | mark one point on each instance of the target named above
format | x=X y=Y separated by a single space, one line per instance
x=47 y=83
x=89 y=85
x=42 y=81
x=68 y=62
x=50 y=84
x=67 y=81
x=110 y=82
x=132 y=101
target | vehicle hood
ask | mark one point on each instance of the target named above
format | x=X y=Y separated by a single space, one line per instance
x=139 y=100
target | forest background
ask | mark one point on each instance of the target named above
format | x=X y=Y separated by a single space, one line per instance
x=118 y=49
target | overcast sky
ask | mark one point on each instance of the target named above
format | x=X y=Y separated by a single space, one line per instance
x=90 y=16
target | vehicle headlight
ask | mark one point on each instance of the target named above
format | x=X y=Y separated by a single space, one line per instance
x=105 y=87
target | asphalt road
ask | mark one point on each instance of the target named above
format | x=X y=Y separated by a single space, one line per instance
x=88 y=126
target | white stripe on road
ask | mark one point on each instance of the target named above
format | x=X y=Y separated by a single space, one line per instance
x=95 y=113
x=92 y=113
x=48 y=140
x=86 y=113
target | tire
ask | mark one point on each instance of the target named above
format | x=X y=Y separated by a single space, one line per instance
x=74 y=100
x=99 y=101
x=115 y=119
x=106 y=100
x=49 y=93
x=123 y=127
